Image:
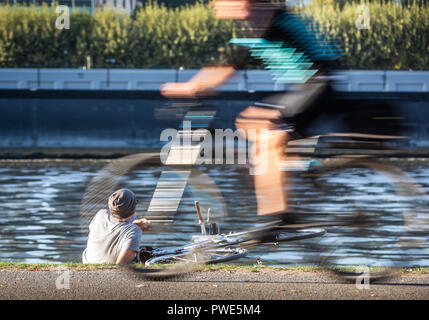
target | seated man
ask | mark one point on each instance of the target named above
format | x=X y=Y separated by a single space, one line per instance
x=114 y=234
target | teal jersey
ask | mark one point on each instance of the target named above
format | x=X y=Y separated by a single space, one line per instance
x=292 y=49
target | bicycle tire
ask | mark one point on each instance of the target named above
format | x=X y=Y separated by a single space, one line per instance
x=367 y=223
x=107 y=180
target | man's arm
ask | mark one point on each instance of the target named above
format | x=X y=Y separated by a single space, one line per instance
x=207 y=78
x=126 y=256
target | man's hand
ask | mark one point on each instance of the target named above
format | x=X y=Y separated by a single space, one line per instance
x=144 y=224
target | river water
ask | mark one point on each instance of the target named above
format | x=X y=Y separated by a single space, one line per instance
x=40 y=207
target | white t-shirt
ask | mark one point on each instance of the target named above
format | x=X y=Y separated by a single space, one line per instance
x=107 y=237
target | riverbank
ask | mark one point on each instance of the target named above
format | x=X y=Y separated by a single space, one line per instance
x=232 y=283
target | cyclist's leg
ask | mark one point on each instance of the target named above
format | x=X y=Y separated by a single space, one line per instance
x=267 y=152
x=269 y=149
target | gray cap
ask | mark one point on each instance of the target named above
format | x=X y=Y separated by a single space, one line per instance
x=122 y=203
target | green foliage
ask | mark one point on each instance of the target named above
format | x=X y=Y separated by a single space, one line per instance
x=174 y=3
x=28 y=38
x=110 y=39
x=398 y=36
x=190 y=36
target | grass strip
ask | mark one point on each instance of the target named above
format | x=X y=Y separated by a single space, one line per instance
x=75 y=266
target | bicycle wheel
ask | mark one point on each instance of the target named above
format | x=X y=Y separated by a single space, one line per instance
x=200 y=256
x=151 y=179
x=379 y=222
x=145 y=175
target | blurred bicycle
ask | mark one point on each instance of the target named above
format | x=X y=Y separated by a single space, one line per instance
x=373 y=212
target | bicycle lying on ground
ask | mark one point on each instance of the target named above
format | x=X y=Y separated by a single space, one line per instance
x=213 y=247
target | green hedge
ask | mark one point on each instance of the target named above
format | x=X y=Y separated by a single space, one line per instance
x=28 y=38
x=398 y=37
x=174 y=3
x=190 y=36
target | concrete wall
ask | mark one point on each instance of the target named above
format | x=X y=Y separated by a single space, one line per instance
x=100 y=108
x=152 y=79
x=100 y=122
x=124 y=119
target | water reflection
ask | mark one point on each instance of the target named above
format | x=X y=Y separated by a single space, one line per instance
x=40 y=205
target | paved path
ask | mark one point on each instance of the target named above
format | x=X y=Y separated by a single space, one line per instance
x=241 y=284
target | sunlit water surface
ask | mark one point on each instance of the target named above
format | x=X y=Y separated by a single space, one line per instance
x=40 y=203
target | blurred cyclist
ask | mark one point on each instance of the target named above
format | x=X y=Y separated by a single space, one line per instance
x=295 y=53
